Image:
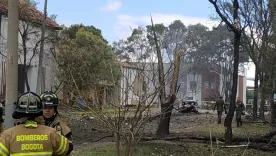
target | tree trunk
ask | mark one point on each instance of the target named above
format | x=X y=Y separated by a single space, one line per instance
x=228 y=86
x=226 y=92
x=164 y=125
x=262 y=89
x=26 y=80
x=167 y=106
x=262 y=108
x=237 y=40
x=230 y=114
x=39 y=86
x=237 y=32
x=25 y=66
x=256 y=93
x=128 y=146
x=272 y=109
x=118 y=146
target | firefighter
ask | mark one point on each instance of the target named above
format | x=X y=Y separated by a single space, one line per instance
x=29 y=137
x=50 y=114
x=220 y=106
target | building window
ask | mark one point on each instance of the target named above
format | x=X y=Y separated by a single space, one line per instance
x=193 y=85
x=206 y=84
x=213 y=85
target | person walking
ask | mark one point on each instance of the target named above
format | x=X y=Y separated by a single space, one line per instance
x=220 y=105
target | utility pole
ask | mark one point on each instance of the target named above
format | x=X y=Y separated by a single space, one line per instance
x=12 y=62
x=39 y=85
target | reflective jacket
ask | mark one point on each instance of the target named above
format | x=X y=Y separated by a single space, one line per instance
x=61 y=127
x=31 y=139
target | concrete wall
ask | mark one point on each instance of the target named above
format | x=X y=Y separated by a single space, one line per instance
x=127 y=96
x=194 y=94
x=185 y=78
x=136 y=82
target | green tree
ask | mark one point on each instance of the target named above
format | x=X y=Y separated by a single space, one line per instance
x=268 y=65
x=71 y=31
x=218 y=50
x=259 y=18
x=85 y=60
x=136 y=47
x=203 y=49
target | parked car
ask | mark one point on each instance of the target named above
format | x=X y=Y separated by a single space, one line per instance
x=188 y=106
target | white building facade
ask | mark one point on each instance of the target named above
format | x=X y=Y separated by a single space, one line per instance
x=31 y=28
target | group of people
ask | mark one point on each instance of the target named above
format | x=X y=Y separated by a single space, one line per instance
x=220 y=106
x=38 y=129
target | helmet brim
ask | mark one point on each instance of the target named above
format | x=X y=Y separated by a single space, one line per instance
x=19 y=115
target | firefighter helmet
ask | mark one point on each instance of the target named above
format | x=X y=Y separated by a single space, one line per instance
x=49 y=99
x=28 y=105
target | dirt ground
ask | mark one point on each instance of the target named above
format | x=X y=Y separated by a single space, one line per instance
x=185 y=121
x=84 y=128
x=85 y=134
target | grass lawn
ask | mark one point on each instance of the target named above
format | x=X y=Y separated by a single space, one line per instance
x=248 y=129
x=194 y=149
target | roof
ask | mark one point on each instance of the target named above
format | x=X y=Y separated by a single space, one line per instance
x=126 y=64
x=29 y=14
x=131 y=65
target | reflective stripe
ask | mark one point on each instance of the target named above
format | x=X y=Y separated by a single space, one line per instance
x=3 y=154
x=62 y=146
x=3 y=150
x=41 y=96
x=31 y=124
x=55 y=96
x=33 y=153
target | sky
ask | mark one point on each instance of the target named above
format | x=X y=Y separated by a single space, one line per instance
x=116 y=18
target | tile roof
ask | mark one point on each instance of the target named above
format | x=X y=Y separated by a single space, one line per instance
x=29 y=14
x=133 y=65
x=126 y=64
